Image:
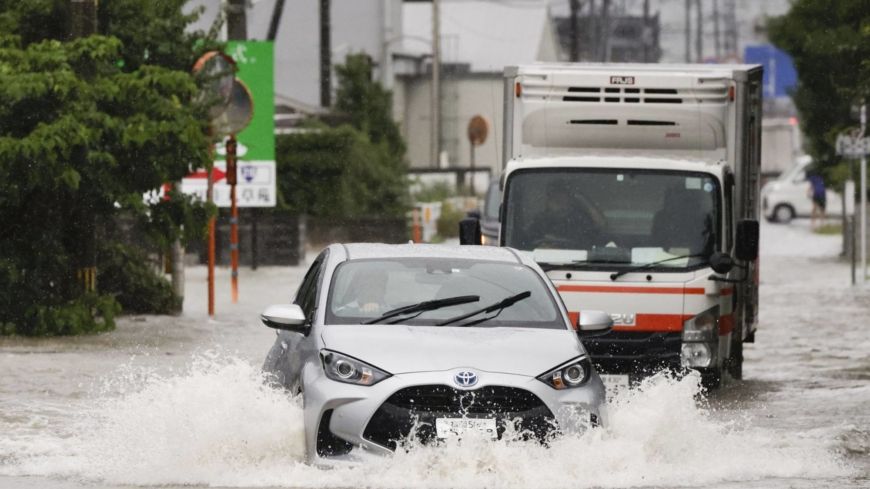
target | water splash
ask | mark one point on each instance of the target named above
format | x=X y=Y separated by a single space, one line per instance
x=218 y=423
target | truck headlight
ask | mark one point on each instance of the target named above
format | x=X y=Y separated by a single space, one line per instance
x=349 y=370
x=572 y=374
x=703 y=327
x=696 y=355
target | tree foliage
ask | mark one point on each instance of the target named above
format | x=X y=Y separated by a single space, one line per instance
x=87 y=127
x=830 y=45
x=354 y=170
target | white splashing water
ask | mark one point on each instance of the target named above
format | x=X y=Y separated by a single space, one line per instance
x=217 y=423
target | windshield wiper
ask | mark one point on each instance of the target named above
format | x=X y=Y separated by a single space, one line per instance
x=498 y=306
x=616 y=275
x=576 y=264
x=422 y=307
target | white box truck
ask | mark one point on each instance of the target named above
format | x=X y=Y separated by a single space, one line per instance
x=635 y=186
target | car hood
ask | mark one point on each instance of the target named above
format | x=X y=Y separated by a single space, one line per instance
x=401 y=349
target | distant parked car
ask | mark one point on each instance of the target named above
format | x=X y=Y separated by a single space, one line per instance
x=394 y=342
x=786 y=197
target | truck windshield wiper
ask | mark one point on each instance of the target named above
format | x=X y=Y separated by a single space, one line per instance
x=575 y=264
x=422 y=307
x=498 y=306
x=616 y=275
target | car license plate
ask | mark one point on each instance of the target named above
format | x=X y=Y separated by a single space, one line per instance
x=453 y=427
x=614 y=384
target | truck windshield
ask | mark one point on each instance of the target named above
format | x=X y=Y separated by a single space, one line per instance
x=603 y=218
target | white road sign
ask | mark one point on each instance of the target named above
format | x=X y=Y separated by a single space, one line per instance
x=256 y=184
x=853 y=146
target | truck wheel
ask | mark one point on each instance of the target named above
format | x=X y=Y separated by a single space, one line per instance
x=735 y=361
x=711 y=379
x=783 y=213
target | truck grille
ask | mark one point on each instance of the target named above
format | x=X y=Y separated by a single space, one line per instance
x=414 y=409
x=635 y=352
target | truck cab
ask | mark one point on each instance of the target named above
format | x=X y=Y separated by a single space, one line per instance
x=636 y=188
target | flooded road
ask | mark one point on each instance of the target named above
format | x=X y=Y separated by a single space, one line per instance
x=180 y=401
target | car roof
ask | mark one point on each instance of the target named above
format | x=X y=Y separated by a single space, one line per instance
x=362 y=251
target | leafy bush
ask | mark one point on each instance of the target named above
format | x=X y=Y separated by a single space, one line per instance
x=339 y=172
x=88 y=313
x=126 y=273
x=448 y=221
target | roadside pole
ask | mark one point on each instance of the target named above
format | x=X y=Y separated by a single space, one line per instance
x=232 y=174
x=209 y=197
x=863 y=197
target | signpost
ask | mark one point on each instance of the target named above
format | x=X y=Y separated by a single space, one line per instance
x=856 y=145
x=248 y=145
x=478 y=129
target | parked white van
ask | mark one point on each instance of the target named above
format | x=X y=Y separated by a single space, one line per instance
x=786 y=197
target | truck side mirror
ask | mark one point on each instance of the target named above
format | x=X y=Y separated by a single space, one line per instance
x=469 y=231
x=746 y=247
x=721 y=262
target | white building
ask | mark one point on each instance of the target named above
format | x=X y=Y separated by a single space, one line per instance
x=479 y=38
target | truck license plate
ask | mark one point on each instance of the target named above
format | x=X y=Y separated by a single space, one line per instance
x=614 y=384
x=453 y=427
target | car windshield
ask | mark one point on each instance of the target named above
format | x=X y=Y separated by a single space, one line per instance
x=613 y=218
x=363 y=290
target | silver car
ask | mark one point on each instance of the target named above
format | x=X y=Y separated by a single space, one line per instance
x=391 y=344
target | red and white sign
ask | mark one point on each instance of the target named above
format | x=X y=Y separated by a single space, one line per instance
x=256 y=184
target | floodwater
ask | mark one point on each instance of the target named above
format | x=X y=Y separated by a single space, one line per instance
x=179 y=401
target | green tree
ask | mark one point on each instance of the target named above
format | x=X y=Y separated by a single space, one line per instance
x=354 y=170
x=86 y=127
x=830 y=45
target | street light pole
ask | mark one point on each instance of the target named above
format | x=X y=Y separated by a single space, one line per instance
x=435 y=108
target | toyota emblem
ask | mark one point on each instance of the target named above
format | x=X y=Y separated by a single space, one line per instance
x=465 y=378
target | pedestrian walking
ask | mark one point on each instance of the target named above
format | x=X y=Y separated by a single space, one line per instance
x=816 y=192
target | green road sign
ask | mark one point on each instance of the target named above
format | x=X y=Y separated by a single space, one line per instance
x=255 y=63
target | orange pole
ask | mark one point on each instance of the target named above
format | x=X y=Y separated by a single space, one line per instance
x=232 y=174
x=209 y=196
x=416 y=231
x=211 y=224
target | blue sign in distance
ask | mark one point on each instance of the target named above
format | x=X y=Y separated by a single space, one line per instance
x=780 y=76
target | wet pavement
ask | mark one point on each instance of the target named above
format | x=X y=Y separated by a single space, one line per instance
x=177 y=401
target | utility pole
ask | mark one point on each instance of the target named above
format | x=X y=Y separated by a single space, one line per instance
x=699 y=32
x=647 y=32
x=605 y=27
x=275 y=21
x=688 y=31
x=435 y=96
x=237 y=27
x=575 y=31
x=325 y=55
x=388 y=32
x=717 y=48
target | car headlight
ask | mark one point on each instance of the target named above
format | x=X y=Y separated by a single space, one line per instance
x=349 y=370
x=703 y=327
x=572 y=374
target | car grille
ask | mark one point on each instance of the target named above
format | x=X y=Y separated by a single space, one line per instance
x=414 y=409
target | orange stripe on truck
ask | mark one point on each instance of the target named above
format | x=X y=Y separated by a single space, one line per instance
x=630 y=290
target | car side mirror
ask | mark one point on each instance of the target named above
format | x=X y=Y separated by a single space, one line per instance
x=746 y=248
x=594 y=323
x=721 y=263
x=469 y=231
x=288 y=317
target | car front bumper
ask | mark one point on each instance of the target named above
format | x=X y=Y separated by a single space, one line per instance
x=349 y=421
